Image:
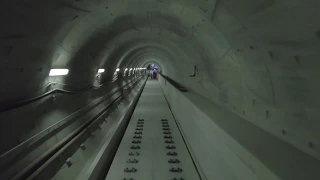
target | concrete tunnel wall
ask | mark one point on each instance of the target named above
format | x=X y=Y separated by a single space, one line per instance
x=257 y=59
x=227 y=146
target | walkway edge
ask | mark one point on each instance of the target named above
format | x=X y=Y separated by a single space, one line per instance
x=196 y=164
x=102 y=162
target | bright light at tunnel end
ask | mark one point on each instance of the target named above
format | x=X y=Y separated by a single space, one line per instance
x=58 y=72
x=100 y=70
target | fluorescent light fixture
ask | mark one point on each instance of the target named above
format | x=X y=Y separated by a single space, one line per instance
x=126 y=69
x=100 y=70
x=58 y=72
x=118 y=69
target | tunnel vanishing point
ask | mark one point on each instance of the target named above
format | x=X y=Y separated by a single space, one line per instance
x=236 y=95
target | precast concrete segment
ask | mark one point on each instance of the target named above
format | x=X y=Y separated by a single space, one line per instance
x=152 y=147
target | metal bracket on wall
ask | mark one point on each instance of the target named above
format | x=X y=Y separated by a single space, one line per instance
x=194 y=71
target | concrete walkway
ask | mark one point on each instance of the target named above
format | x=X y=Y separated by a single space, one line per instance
x=146 y=148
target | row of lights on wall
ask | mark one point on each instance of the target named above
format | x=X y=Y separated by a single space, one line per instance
x=126 y=69
x=63 y=72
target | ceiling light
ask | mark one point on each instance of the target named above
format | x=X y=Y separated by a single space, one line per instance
x=58 y=72
x=100 y=70
x=118 y=69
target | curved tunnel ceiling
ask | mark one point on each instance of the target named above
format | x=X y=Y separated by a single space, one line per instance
x=257 y=58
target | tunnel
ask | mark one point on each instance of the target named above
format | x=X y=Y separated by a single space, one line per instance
x=235 y=94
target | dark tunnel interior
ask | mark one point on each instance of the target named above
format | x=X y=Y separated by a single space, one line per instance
x=241 y=79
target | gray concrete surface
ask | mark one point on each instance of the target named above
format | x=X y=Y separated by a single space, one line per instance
x=256 y=59
x=152 y=158
x=84 y=159
x=234 y=147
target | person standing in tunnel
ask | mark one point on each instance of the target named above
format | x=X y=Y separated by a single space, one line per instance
x=154 y=74
x=148 y=70
x=151 y=73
